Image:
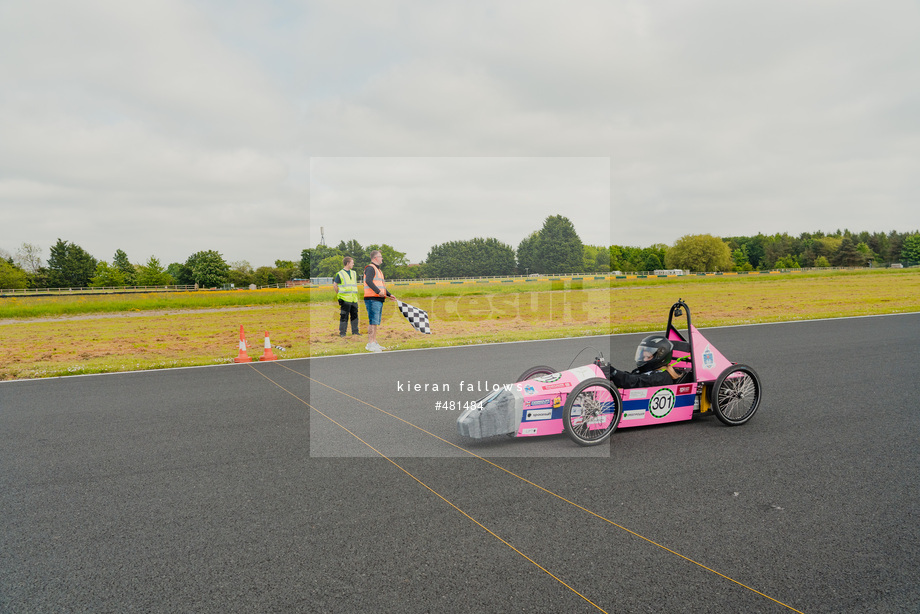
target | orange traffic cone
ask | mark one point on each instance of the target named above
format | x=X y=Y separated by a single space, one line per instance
x=242 y=357
x=268 y=354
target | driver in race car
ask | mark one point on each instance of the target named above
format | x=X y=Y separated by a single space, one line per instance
x=653 y=366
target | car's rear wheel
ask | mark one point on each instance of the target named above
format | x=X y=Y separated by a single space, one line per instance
x=592 y=411
x=736 y=395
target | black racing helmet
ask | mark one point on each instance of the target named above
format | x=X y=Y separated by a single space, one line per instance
x=654 y=352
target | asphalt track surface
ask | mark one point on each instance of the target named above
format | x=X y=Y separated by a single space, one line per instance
x=319 y=486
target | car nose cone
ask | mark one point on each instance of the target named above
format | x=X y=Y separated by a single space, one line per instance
x=497 y=414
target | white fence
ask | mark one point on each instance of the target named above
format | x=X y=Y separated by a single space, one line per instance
x=327 y=281
x=104 y=290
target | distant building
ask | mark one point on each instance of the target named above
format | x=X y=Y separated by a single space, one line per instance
x=296 y=283
x=668 y=272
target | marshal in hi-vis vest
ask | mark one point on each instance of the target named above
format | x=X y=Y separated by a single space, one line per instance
x=348 y=289
x=378 y=281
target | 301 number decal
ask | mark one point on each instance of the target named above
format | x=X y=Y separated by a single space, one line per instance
x=662 y=402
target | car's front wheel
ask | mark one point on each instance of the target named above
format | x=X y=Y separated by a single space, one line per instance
x=592 y=411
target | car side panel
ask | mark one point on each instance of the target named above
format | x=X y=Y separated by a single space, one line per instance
x=659 y=405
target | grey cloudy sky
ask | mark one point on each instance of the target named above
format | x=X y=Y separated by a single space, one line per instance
x=166 y=127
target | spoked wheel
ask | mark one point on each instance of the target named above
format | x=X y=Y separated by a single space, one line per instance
x=592 y=411
x=535 y=372
x=736 y=395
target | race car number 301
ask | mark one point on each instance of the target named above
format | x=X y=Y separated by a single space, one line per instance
x=662 y=402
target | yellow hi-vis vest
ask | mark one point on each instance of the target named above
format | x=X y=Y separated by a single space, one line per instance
x=378 y=281
x=348 y=289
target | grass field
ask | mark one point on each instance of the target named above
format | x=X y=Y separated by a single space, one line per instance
x=53 y=336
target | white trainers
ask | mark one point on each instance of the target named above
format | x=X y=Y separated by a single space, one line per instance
x=373 y=347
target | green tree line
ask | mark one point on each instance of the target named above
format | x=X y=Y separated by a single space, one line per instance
x=554 y=248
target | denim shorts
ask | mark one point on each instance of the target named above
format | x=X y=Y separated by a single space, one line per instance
x=374 y=311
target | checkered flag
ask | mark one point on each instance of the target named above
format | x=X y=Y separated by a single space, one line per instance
x=417 y=317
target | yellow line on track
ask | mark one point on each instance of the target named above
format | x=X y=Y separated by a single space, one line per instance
x=429 y=488
x=523 y=479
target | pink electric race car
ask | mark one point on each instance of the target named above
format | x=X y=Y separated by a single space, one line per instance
x=588 y=407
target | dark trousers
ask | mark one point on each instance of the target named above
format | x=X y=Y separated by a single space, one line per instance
x=348 y=310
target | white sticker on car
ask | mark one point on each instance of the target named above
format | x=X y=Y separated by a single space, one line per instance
x=709 y=360
x=583 y=373
x=662 y=402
